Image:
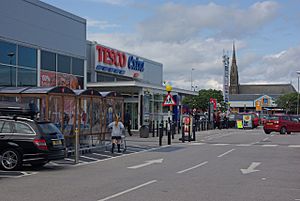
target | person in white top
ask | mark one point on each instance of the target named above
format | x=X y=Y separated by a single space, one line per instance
x=116 y=133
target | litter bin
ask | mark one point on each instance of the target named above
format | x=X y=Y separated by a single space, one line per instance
x=144 y=131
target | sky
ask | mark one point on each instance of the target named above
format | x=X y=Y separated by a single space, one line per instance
x=189 y=37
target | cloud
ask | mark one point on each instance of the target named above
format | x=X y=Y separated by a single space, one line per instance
x=113 y=2
x=100 y=24
x=176 y=22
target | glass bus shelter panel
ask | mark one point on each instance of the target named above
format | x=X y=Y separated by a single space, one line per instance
x=109 y=111
x=119 y=109
x=55 y=110
x=96 y=122
x=86 y=108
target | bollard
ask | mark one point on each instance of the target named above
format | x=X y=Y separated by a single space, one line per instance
x=178 y=127
x=194 y=132
x=157 y=130
x=173 y=130
x=189 y=133
x=76 y=145
x=161 y=132
x=182 y=133
x=153 y=128
x=168 y=128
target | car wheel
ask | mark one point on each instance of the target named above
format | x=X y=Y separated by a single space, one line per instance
x=11 y=159
x=283 y=130
x=267 y=132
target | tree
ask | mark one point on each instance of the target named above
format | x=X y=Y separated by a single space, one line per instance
x=202 y=99
x=288 y=102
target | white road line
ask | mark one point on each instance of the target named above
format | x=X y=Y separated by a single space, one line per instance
x=191 y=168
x=52 y=163
x=220 y=144
x=197 y=143
x=128 y=190
x=265 y=139
x=94 y=159
x=294 y=146
x=97 y=154
x=69 y=159
x=244 y=145
x=269 y=145
x=227 y=152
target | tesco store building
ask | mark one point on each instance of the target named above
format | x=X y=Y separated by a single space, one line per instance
x=137 y=79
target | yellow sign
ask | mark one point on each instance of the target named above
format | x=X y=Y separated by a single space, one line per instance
x=168 y=88
x=239 y=123
x=258 y=105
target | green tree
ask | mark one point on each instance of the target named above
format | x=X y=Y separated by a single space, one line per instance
x=288 y=102
x=202 y=99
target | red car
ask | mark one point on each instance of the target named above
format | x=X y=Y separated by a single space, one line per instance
x=282 y=124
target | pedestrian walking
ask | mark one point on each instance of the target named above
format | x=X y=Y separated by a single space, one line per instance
x=127 y=122
x=116 y=133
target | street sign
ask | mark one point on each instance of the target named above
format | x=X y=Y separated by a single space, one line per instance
x=169 y=101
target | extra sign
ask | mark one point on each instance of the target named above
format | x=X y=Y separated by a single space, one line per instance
x=169 y=101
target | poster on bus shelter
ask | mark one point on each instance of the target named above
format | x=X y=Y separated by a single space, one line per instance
x=247 y=121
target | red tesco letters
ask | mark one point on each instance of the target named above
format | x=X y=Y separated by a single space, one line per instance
x=111 y=57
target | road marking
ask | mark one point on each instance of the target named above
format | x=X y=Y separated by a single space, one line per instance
x=244 y=145
x=52 y=163
x=294 y=146
x=227 y=152
x=197 y=143
x=251 y=168
x=97 y=154
x=128 y=190
x=265 y=139
x=94 y=159
x=269 y=145
x=220 y=144
x=147 y=163
x=191 y=168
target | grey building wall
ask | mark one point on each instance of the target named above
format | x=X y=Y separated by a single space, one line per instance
x=39 y=24
x=153 y=72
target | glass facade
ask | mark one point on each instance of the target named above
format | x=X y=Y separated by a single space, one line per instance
x=77 y=66
x=27 y=57
x=48 y=61
x=63 y=64
x=8 y=52
x=7 y=76
x=26 y=77
x=105 y=78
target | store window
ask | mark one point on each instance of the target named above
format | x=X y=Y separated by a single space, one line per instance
x=27 y=77
x=27 y=57
x=64 y=64
x=77 y=66
x=104 y=78
x=8 y=53
x=48 y=61
x=7 y=76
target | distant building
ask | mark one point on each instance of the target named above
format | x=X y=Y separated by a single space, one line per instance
x=253 y=97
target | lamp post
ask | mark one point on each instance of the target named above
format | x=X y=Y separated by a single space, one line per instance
x=298 y=72
x=10 y=54
x=192 y=79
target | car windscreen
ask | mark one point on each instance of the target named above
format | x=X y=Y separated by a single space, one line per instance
x=49 y=128
x=275 y=118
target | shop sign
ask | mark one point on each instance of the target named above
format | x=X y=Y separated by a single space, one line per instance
x=117 y=62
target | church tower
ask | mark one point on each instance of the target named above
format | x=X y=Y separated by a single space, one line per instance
x=234 y=75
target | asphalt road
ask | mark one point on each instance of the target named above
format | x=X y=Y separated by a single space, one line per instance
x=223 y=165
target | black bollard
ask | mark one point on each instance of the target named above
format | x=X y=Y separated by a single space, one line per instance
x=173 y=128
x=153 y=128
x=194 y=132
x=189 y=132
x=182 y=133
x=168 y=128
x=161 y=127
x=157 y=130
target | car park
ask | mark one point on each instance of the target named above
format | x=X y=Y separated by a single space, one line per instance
x=27 y=141
x=282 y=123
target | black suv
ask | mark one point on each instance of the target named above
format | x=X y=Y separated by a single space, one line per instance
x=27 y=141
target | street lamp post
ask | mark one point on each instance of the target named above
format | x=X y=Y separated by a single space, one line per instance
x=192 y=79
x=298 y=72
x=10 y=54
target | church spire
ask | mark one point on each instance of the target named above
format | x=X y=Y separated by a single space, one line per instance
x=234 y=76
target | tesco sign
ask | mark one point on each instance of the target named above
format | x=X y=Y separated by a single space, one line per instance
x=117 y=62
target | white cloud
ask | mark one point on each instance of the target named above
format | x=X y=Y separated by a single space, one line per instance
x=113 y=2
x=100 y=24
x=176 y=22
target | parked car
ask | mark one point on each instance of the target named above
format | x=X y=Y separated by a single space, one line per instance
x=26 y=141
x=282 y=124
x=263 y=118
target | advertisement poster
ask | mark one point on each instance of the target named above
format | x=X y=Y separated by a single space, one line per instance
x=247 y=121
x=48 y=79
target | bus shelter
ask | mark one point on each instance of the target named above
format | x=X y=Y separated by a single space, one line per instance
x=113 y=104
x=89 y=117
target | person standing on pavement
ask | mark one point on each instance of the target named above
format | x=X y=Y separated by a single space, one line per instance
x=116 y=133
x=127 y=122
